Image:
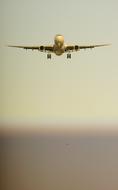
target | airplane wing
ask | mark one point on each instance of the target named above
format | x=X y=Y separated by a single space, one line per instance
x=77 y=47
x=39 y=48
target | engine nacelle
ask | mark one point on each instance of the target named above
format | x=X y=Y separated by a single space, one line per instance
x=76 y=48
x=42 y=48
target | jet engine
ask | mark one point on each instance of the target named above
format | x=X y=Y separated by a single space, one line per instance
x=42 y=48
x=76 y=47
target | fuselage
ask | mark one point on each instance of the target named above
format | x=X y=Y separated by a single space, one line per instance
x=59 y=46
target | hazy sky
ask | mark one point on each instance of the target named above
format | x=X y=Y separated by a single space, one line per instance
x=84 y=88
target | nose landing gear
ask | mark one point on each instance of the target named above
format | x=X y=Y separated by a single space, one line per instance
x=68 y=56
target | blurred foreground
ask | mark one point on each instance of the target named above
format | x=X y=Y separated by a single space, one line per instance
x=58 y=160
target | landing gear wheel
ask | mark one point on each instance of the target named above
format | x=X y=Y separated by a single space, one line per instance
x=68 y=56
x=48 y=56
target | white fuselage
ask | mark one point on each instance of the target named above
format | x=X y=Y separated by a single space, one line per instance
x=59 y=46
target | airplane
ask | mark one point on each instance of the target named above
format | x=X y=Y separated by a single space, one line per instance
x=59 y=47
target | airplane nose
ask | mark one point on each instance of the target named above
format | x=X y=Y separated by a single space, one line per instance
x=59 y=44
x=59 y=40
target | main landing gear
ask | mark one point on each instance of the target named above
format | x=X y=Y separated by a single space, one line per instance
x=48 y=56
x=68 y=56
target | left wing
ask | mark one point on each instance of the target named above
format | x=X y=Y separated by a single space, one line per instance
x=39 y=48
x=77 y=47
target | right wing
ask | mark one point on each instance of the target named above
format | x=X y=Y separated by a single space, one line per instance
x=39 y=48
x=70 y=48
